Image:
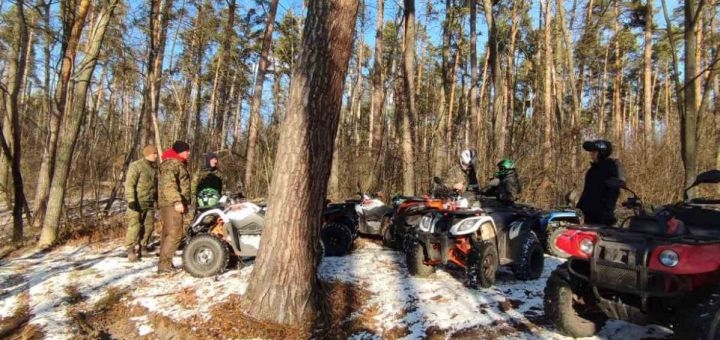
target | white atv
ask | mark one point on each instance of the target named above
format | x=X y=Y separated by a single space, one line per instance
x=370 y=212
x=232 y=225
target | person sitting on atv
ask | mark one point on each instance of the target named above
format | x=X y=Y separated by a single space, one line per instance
x=207 y=185
x=598 y=199
x=505 y=186
x=463 y=176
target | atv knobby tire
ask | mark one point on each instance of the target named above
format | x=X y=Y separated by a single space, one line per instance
x=701 y=322
x=205 y=256
x=388 y=236
x=530 y=258
x=570 y=306
x=337 y=239
x=554 y=230
x=482 y=264
x=415 y=258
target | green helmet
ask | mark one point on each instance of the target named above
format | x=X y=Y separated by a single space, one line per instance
x=504 y=167
x=207 y=198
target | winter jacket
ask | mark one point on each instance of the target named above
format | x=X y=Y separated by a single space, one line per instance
x=141 y=184
x=598 y=200
x=174 y=180
x=505 y=188
x=457 y=175
x=208 y=178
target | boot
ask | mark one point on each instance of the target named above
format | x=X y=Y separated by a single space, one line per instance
x=131 y=255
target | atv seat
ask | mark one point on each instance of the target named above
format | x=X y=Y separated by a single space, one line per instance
x=701 y=222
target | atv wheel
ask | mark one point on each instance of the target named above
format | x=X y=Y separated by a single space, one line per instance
x=702 y=322
x=337 y=239
x=571 y=307
x=554 y=231
x=482 y=264
x=415 y=259
x=530 y=260
x=389 y=239
x=205 y=256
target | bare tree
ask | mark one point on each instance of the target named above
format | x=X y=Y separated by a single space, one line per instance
x=254 y=125
x=73 y=118
x=408 y=120
x=12 y=150
x=283 y=286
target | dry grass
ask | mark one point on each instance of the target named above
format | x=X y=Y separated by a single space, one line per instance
x=16 y=326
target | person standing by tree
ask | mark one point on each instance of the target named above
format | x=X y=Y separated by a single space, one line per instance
x=141 y=194
x=174 y=199
x=598 y=199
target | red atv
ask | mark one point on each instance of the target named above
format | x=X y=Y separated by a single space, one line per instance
x=661 y=268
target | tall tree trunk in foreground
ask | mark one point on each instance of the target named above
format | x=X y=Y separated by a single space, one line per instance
x=647 y=75
x=283 y=286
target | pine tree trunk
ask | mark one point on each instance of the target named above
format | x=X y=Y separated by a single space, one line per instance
x=688 y=122
x=283 y=287
x=255 y=119
x=408 y=120
x=547 y=83
x=377 y=119
x=647 y=75
x=74 y=115
x=474 y=109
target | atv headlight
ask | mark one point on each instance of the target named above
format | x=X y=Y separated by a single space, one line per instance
x=464 y=226
x=669 y=258
x=586 y=246
x=426 y=223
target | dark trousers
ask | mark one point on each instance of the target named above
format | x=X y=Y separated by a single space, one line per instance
x=170 y=236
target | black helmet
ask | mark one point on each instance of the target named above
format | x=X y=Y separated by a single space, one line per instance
x=603 y=147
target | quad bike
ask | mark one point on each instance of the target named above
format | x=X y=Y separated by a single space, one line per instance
x=370 y=212
x=408 y=210
x=552 y=224
x=231 y=228
x=661 y=267
x=340 y=227
x=477 y=241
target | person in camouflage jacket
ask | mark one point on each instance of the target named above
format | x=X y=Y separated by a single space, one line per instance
x=174 y=200
x=141 y=194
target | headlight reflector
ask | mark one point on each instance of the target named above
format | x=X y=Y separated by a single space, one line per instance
x=586 y=246
x=669 y=258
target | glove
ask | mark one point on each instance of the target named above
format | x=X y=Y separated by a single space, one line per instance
x=134 y=206
x=179 y=207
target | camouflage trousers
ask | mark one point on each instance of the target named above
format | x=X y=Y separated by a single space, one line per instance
x=170 y=237
x=140 y=227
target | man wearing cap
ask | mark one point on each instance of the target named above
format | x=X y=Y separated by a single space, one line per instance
x=174 y=199
x=141 y=194
x=598 y=199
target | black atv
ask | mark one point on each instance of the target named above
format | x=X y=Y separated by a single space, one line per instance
x=661 y=267
x=340 y=227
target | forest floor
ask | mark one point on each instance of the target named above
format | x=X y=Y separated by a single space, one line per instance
x=88 y=289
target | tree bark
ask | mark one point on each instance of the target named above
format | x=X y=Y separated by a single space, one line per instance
x=647 y=75
x=408 y=120
x=255 y=119
x=73 y=22
x=16 y=68
x=474 y=114
x=377 y=102
x=283 y=287
x=74 y=114
x=547 y=82
x=689 y=121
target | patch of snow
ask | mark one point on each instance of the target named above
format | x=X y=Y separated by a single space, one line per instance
x=398 y=300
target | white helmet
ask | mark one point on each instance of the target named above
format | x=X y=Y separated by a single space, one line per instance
x=468 y=157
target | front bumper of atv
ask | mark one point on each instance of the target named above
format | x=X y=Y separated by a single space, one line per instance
x=438 y=247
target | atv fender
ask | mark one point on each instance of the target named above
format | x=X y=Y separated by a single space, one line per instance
x=202 y=216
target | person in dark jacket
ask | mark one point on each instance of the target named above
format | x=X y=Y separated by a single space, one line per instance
x=505 y=186
x=598 y=199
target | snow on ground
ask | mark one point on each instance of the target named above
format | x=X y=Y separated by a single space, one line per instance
x=398 y=300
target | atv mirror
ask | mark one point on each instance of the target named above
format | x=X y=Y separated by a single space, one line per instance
x=437 y=180
x=710 y=176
